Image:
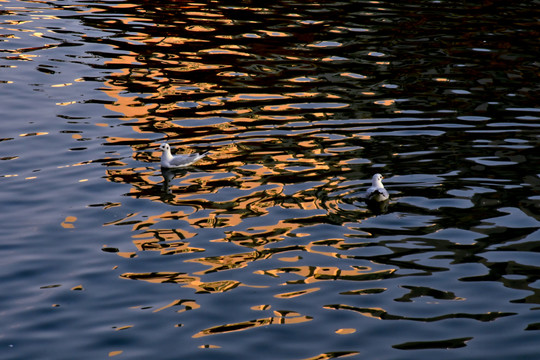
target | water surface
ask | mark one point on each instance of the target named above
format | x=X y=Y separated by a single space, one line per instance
x=265 y=248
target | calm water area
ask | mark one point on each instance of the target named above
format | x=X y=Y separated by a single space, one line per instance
x=265 y=248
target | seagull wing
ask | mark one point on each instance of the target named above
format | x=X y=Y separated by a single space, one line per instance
x=370 y=191
x=185 y=160
x=181 y=160
x=377 y=193
x=384 y=193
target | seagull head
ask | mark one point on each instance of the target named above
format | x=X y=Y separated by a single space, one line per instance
x=377 y=180
x=165 y=147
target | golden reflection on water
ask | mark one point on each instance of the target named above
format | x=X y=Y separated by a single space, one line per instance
x=176 y=241
x=188 y=281
x=34 y=134
x=280 y=318
x=311 y=274
x=187 y=305
x=166 y=241
x=382 y=314
x=68 y=222
x=333 y=355
x=149 y=236
x=294 y=294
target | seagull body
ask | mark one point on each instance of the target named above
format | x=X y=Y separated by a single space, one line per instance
x=377 y=192
x=169 y=161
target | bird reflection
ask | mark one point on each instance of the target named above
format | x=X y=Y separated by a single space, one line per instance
x=168 y=175
x=378 y=207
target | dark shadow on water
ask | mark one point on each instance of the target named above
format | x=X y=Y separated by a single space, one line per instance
x=168 y=176
x=378 y=207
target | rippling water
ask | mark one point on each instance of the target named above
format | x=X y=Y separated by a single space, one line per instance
x=265 y=248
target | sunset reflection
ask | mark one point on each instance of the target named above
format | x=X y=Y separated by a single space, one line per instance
x=185 y=280
x=281 y=319
x=311 y=274
x=266 y=248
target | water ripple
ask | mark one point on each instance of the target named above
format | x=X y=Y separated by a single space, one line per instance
x=267 y=243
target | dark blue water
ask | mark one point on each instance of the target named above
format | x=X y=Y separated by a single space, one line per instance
x=265 y=249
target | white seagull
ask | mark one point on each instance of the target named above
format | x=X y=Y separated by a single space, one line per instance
x=377 y=192
x=169 y=161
